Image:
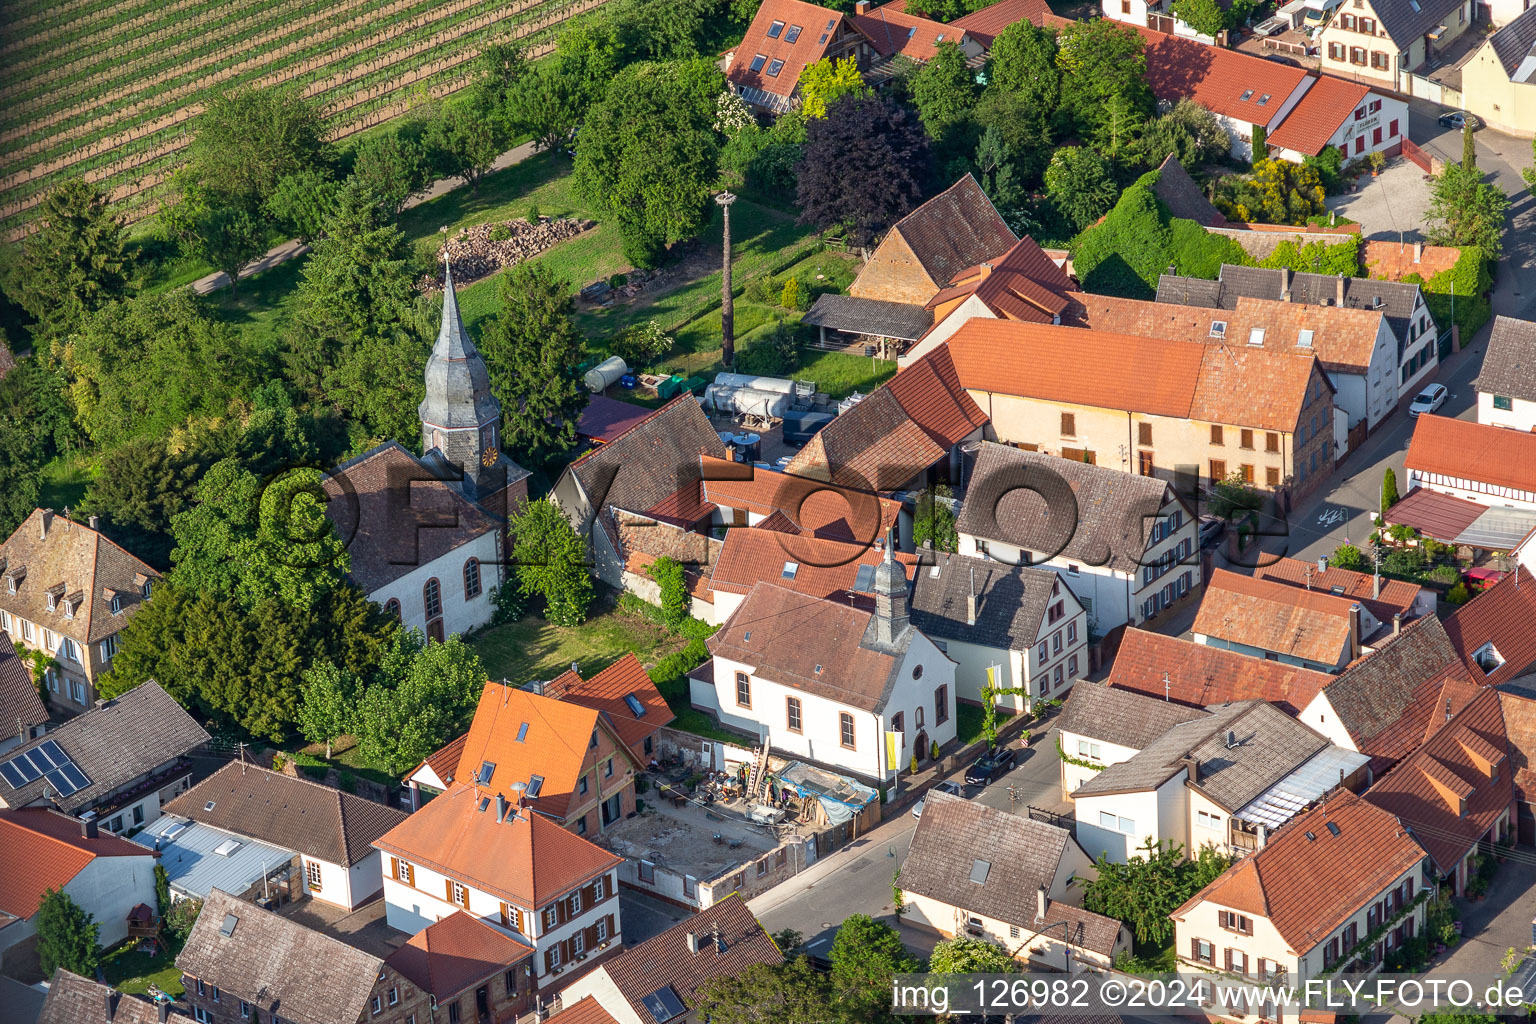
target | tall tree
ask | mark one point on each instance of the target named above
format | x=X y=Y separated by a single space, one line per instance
x=1389 y=496
x=464 y=140
x=67 y=936
x=944 y=90
x=1023 y=62
x=74 y=263
x=1153 y=882
x=1025 y=133
x=1103 y=76
x=827 y=81
x=649 y=154
x=394 y=167
x=219 y=228
x=865 y=956
x=787 y=993
x=1468 y=146
x=864 y=166
x=401 y=720
x=1465 y=210
x=971 y=956
x=139 y=489
x=1189 y=131
x=249 y=139
x=532 y=349
x=1080 y=184
x=547 y=103
x=551 y=562
x=302 y=201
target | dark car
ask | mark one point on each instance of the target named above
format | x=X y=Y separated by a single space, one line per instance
x=990 y=766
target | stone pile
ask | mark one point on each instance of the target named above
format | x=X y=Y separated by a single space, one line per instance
x=473 y=253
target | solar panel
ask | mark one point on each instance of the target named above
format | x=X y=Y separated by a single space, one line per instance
x=41 y=760
x=75 y=775
x=53 y=751
x=12 y=776
x=28 y=771
x=57 y=780
x=663 y=1004
x=865 y=578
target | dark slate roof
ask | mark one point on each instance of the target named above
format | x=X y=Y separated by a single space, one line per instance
x=114 y=744
x=1515 y=43
x=1384 y=699
x=956 y=229
x=1406 y=20
x=1113 y=515
x=869 y=316
x=1190 y=291
x=394 y=514
x=1397 y=298
x=19 y=700
x=1011 y=607
x=1509 y=364
x=72 y=999
x=1183 y=197
x=296 y=814
x=458 y=384
x=1270 y=746
x=1116 y=715
x=665 y=959
x=652 y=461
x=270 y=962
x=1022 y=856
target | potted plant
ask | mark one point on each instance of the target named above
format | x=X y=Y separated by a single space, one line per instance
x=1378 y=160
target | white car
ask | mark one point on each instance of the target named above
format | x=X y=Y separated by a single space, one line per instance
x=1428 y=400
x=952 y=788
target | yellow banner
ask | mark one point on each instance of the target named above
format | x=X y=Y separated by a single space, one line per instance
x=893 y=749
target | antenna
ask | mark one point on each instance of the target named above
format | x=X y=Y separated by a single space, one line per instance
x=1167 y=687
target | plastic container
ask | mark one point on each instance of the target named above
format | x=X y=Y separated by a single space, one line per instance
x=605 y=374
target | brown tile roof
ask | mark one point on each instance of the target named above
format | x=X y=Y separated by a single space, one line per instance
x=890 y=29
x=823 y=568
x=829 y=510
x=273 y=962
x=1501 y=615
x=957 y=228
x=1426 y=788
x=1199 y=675
x=787 y=637
x=1218 y=79
x=1442 y=516
x=1473 y=451
x=665 y=959
x=295 y=814
x=1322 y=110
x=1105 y=711
x=605 y=693
x=19 y=700
x=389 y=509
x=604 y=419
x=1395 y=596
x=1387 y=699
x=987 y=24
x=655 y=459
x=72 y=999
x=819 y=26
x=1275 y=617
x=41 y=849
x=444 y=761
x=1228 y=384
x=1394 y=260
x=642 y=540
x=929 y=391
x=554 y=745
x=685 y=507
x=1282 y=881
x=585 y=1011
x=84 y=570
x=1023 y=284
x=527 y=859
x=1010 y=607
x=456 y=953
x=1519 y=708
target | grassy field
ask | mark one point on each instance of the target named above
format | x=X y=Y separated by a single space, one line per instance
x=132 y=972
x=532 y=648
x=65 y=480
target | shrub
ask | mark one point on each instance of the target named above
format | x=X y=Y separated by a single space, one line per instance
x=618 y=281
x=500 y=232
x=761 y=289
x=790 y=297
x=1389 y=496
x=641 y=345
x=669 y=577
x=533 y=213
x=1347 y=556
x=1458 y=594
x=181 y=917
x=771 y=352
x=1447 y=574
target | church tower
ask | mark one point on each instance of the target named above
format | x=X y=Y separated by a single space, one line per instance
x=460 y=417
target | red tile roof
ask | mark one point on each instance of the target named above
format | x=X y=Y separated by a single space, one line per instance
x=1322 y=110
x=1218 y=79
x=1502 y=615
x=1275 y=617
x=823 y=568
x=605 y=692
x=1473 y=451
x=554 y=745
x=1393 y=260
x=1395 y=596
x=890 y=29
x=455 y=954
x=606 y=418
x=929 y=391
x=818 y=27
x=1199 y=674
x=1023 y=284
x=1427 y=788
x=1281 y=882
x=824 y=509
x=1442 y=516
x=444 y=762
x=587 y=1011
x=528 y=859
x=41 y=849
x=987 y=24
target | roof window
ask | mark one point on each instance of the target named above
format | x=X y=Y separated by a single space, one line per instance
x=228 y=927
x=792 y=34
x=664 y=1004
x=635 y=707
x=911 y=31
x=535 y=783
x=1256 y=336
x=1263 y=99
x=775 y=67
x=209 y=805
x=790 y=569
x=1218 y=328
x=1246 y=96
x=1333 y=828
x=775 y=29
x=979 y=870
x=483 y=776
x=830 y=23
x=1304 y=339
x=758 y=62
x=823 y=38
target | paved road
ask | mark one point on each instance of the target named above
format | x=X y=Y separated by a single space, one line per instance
x=294 y=248
x=857 y=879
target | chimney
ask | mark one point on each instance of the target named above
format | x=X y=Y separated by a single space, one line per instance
x=88 y=828
x=106 y=998
x=985 y=268
x=95 y=522
x=1322 y=563
x=501 y=807
x=1397 y=623
x=46 y=519
x=1042 y=901
x=1231 y=738
x=862 y=7
x=1285 y=284
x=1193 y=765
x=1354 y=631
x=1418 y=252
x=164 y=1006
x=693 y=942
x=1340 y=290
x=1376 y=585
x=970 y=602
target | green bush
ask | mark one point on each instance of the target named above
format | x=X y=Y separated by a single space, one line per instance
x=1347 y=556
x=1317 y=257
x=1447 y=574
x=1459 y=594
x=500 y=232
x=1200 y=253
x=1126 y=252
x=1470 y=280
x=673 y=584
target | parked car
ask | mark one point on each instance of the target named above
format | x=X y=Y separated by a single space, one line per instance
x=1459 y=118
x=989 y=766
x=952 y=788
x=1428 y=400
x=1211 y=530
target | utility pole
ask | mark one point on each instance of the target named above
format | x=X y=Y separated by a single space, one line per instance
x=727 y=314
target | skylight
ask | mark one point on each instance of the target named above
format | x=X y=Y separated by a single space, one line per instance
x=483 y=776
x=535 y=783
x=979 y=870
x=1333 y=829
x=1304 y=339
x=1218 y=328
x=664 y=1004
x=228 y=927
x=1263 y=99
x=635 y=707
x=522 y=733
x=1256 y=336
x=774 y=29
x=758 y=62
x=790 y=568
x=1246 y=96
x=227 y=847
x=792 y=34
x=775 y=68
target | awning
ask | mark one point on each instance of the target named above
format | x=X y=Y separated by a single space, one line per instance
x=1498 y=529
x=1299 y=790
x=1434 y=514
x=874 y=317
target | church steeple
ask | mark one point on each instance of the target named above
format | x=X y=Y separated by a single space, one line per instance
x=891 y=615
x=460 y=417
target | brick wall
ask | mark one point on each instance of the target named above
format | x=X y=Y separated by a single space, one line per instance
x=893 y=274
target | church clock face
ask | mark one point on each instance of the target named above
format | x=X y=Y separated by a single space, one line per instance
x=489 y=456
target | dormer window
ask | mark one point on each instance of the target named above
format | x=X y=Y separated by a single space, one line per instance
x=144 y=589
x=53 y=601
x=1488 y=657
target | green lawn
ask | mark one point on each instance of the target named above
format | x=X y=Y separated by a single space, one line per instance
x=65 y=480
x=532 y=648
x=130 y=971
x=968 y=719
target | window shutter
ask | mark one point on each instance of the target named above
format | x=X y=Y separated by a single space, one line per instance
x=394 y=868
x=560 y=912
x=611 y=929
x=1194 y=949
x=448 y=886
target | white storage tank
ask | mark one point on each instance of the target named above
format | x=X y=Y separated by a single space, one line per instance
x=736 y=401
x=605 y=374
x=746 y=380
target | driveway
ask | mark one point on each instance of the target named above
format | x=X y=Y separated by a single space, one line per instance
x=1390 y=206
x=1496 y=923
